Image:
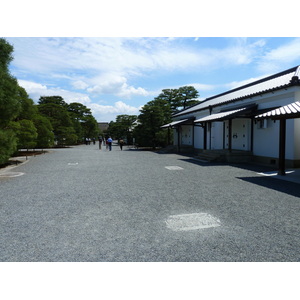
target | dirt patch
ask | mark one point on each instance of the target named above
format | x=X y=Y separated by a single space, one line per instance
x=29 y=153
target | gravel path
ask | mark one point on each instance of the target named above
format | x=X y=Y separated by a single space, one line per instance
x=83 y=204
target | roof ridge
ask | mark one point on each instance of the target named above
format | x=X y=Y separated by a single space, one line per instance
x=295 y=69
x=256 y=82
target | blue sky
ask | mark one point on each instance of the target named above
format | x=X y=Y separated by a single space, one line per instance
x=61 y=53
x=119 y=75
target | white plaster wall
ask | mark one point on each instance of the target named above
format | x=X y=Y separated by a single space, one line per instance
x=198 y=139
x=241 y=130
x=187 y=135
x=266 y=141
x=217 y=135
x=289 y=141
x=297 y=138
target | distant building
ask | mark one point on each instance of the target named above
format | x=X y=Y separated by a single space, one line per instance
x=103 y=126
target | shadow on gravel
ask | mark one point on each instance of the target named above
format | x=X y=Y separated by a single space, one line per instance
x=279 y=185
x=249 y=167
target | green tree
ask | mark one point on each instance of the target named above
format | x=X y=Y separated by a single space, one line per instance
x=90 y=127
x=8 y=144
x=55 y=109
x=45 y=138
x=84 y=123
x=153 y=115
x=9 y=105
x=187 y=96
x=29 y=112
x=123 y=127
x=171 y=96
x=26 y=134
x=180 y=98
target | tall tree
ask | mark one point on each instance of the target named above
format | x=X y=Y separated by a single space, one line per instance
x=180 y=98
x=187 y=96
x=45 y=138
x=171 y=96
x=9 y=104
x=84 y=123
x=33 y=129
x=55 y=109
x=153 y=115
x=27 y=134
x=123 y=127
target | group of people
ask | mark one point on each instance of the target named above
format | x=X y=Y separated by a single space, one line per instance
x=89 y=140
x=104 y=142
x=108 y=143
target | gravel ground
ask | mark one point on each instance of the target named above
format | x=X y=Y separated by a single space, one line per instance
x=83 y=204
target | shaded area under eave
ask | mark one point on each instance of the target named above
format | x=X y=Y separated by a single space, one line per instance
x=172 y=124
x=289 y=111
x=240 y=112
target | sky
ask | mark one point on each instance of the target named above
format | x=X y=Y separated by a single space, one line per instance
x=115 y=57
x=118 y=75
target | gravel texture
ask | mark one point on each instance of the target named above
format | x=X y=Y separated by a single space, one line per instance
x=91 y=205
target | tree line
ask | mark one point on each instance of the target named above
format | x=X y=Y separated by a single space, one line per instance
x=24 y=124
x=145 y=128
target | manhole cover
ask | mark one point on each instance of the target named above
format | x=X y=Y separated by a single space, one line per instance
x=11 y=174
x=192 y=222
x=173 y=168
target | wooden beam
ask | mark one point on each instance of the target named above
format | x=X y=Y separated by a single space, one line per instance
x=229 y=134
x=205 y=136
x=282 y=136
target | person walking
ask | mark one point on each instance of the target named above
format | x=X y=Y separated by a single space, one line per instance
x=100 y=142
x=121 y=143
x=109 y=141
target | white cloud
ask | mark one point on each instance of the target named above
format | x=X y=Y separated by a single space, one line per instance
x=36 y=90
x=202 y=87
x=236 y=84
x=106 y=113
x=102 y=113
x=79 y=85
x=101 y=66
x=286 y=54
x=123 y=56
x=116 y=85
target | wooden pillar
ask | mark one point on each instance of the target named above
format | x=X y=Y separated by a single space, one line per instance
x=251 y=135
x=224 y=135
x=178 y=139
x=205 y=136
x=209 y=126
x=229 y=134
x=282 y=135
x=193 y=141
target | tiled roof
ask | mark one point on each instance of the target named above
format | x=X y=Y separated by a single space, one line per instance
x=268 y=84
x=287 y=111
x=173 y=123
x=219 y=116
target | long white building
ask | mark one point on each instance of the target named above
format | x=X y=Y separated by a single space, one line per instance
x=260 y=119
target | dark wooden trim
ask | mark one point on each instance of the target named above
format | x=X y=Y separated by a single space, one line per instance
x=229 y=134
x=282 y=136
x=251 y=134
x=205 y=136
